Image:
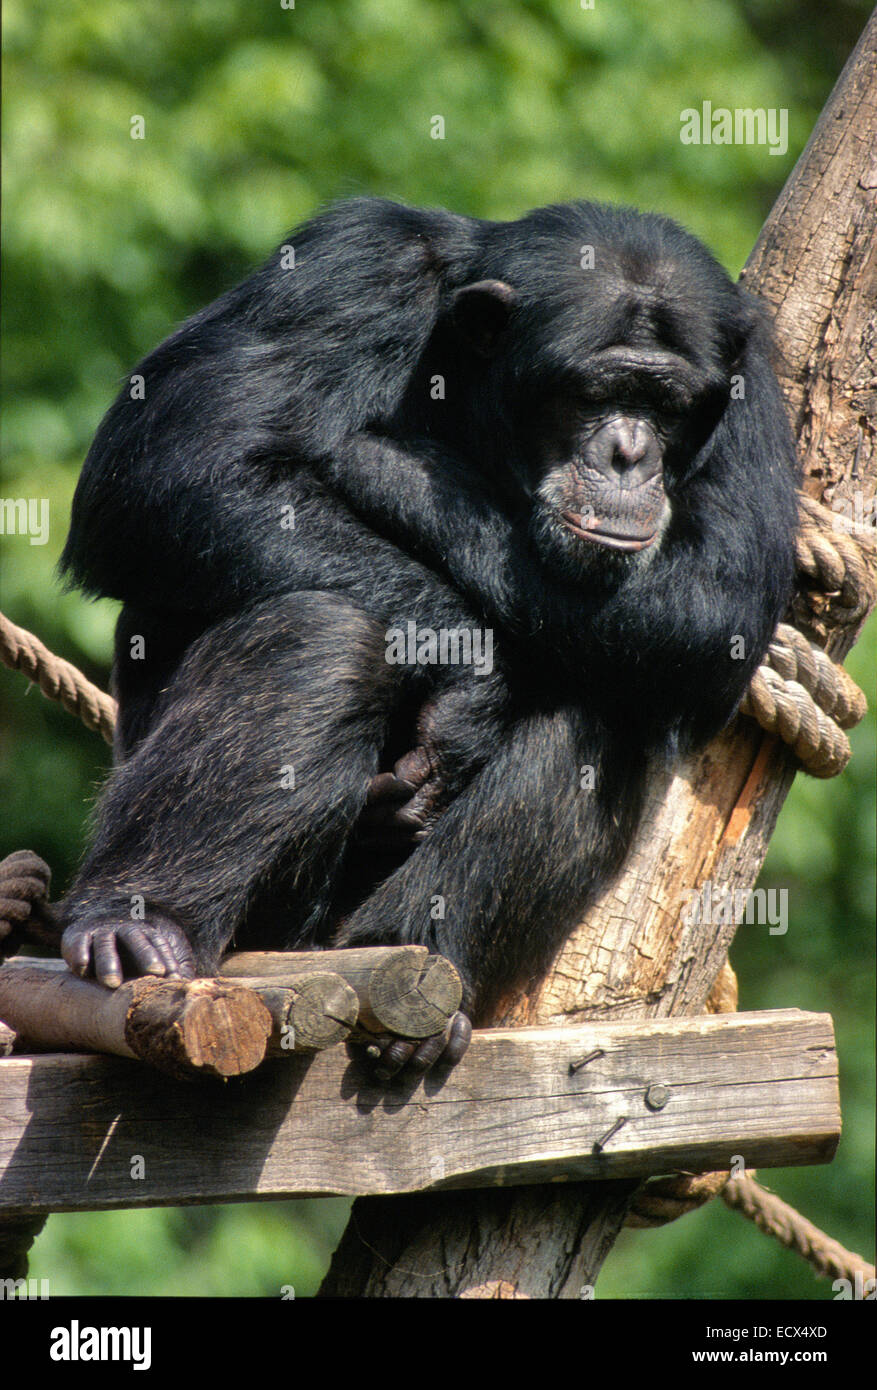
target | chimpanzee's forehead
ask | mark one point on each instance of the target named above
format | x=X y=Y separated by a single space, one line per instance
x=617 y=303
x=598 y=253
x=574 y=313
x=602 y=273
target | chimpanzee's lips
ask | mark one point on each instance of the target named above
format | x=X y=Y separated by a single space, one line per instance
x=589 y=529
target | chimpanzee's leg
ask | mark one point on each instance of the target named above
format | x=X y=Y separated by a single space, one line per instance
x=509 y=867
x=245 y=788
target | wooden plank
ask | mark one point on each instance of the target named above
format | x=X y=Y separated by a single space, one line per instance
x=762 y=1085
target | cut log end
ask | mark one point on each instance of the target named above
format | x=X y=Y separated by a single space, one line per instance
x=413 y=993
x=319 y=1011
x=206 y=1027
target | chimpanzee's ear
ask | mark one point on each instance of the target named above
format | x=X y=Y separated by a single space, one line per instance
x=748 y=321
x=481 y=312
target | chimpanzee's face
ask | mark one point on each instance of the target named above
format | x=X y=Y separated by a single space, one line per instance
x=610 y=381
x=606 y=451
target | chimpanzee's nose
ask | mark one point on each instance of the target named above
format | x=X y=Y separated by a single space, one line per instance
x=626 y=447
x=630 y=442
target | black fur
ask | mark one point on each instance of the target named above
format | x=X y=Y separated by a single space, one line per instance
x=265 y=648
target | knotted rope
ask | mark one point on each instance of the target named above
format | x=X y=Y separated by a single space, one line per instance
x=834 y=561
x=800 y=694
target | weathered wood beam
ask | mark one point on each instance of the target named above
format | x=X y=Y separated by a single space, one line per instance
x=526 y=1105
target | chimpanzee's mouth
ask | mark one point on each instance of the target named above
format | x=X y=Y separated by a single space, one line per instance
x=588 y=528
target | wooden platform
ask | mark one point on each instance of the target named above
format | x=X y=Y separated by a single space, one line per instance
x=525 y=1105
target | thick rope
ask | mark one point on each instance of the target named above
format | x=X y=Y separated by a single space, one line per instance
x=57 y=679
x=665 y=1199
x=797 y=659
x=25 y=910
x=776 y=1218
x=785 y=708
x=662 y=1200
x=834 y=561
x=799 y=693
x=24 y=882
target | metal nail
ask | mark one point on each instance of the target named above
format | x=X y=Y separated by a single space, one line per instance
x=583 y=1061
x=600 y=1144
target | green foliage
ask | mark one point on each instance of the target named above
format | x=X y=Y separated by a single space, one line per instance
x=254 y=115
x=251 y=1250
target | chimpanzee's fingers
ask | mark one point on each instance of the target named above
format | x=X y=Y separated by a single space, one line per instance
x=459 y=1037
x=173 y=946
x=386 y=787
x=105 y=959
x=164 y=949
x=394 y=1055
x=414 y=767
x=427 y=1052
x=139 y=944
x=447 y=1047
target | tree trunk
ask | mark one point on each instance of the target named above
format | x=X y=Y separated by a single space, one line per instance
x=816 y=265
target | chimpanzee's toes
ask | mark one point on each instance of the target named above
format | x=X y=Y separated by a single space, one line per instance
x=401 y=1056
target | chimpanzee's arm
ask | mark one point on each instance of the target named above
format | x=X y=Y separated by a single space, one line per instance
x=696 y=613
x=434 y=505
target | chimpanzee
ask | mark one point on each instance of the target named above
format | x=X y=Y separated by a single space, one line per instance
x=409 y=438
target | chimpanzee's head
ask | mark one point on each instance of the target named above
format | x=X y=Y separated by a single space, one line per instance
x=609 y=340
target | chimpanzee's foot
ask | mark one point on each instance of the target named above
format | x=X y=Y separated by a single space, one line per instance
x=102 y=949
x=394 y=1056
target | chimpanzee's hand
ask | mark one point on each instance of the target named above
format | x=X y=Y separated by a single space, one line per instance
x=403 y=1057
x=24 y=890
x=102 y=949
x=401 y=805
